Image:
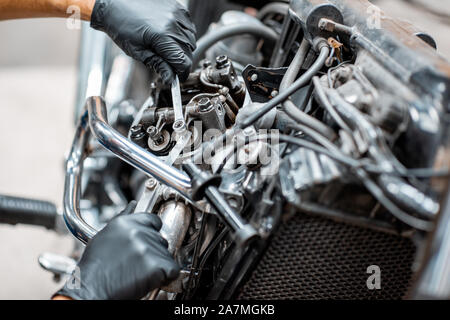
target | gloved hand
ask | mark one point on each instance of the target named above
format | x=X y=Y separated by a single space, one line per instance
x=158 y=33
x=125 y=260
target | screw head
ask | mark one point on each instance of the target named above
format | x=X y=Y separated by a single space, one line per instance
x=151 y=184
x=179 y=125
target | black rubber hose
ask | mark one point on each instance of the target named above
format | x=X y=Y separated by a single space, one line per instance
x=290 y=108
x=295 y=66
x=323 y=101
x=371 y=186
x=225 y=32
x=283 y=96
x=15 y=210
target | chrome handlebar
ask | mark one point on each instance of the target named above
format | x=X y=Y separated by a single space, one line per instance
x=94 y=121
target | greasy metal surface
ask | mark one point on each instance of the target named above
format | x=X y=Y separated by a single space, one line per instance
x=175 y=216
x=315 y=258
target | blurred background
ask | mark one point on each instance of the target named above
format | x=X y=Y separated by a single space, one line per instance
x=38 y=68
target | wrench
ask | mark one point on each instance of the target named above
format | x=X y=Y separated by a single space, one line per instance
x=179 y=124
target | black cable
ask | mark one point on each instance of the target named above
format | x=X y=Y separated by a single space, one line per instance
x=358 y=166
x=346 y=160
x=323 y=100
x=337 y=156
x=308 y=131
x=283 y=96
x=208 y=252
x=198 y=245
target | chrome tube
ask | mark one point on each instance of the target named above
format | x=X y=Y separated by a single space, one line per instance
x=119 y=79
x=72 y=185
x=94 y=120
x=132 y=153
x=176 y=217
x=434 y=279
x=91 y=65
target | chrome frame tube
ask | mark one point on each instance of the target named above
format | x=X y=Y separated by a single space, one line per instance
x=72 y=186
x=92 y=66
x=94 y=121
x=434 y=279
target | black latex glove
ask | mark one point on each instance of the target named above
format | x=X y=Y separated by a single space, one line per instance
x=158 y=33
x=125 y=260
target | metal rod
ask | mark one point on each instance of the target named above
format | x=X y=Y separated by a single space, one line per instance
x=72 y=186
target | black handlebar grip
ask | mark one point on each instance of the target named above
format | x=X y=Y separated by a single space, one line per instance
x=14 y=210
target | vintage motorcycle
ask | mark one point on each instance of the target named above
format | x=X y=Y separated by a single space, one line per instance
x=306 y=156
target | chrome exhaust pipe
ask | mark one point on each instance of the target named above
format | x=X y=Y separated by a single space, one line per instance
x=94 y=120
x=175 y=216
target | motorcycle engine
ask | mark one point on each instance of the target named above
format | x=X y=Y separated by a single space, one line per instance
x=329 y=141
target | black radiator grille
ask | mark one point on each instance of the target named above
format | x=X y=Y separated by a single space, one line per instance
x=315 y=258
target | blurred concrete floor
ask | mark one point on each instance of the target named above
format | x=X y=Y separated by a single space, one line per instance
x=37 y=88
x=37 y=85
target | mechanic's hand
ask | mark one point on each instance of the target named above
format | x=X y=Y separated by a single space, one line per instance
x=125 y=260
x=158 y=33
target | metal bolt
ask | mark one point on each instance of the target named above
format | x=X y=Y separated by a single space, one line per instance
x=254 y=77
x=178 y=124
x=204 y=104
x=152 y=131
x=221 y=61
x=326 y=25
x=155 y=135
x=137 y=131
